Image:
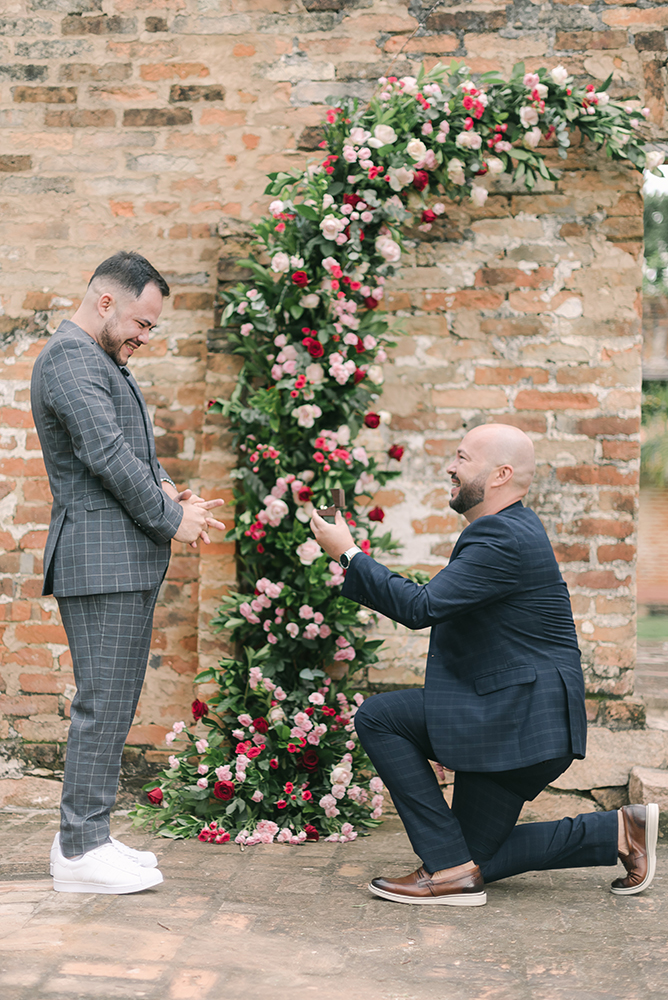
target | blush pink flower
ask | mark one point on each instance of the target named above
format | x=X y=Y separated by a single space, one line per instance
x=245 y=720
x=316 y=698
x=201 y=746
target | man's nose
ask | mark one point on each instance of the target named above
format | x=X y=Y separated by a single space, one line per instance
x=144 y=336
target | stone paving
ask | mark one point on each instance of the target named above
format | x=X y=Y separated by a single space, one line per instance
x=281 y=922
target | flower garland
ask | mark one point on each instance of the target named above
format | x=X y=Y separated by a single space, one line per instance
x=281 y=761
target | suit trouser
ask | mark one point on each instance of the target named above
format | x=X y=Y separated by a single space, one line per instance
x=485 y=807
x=109 y=637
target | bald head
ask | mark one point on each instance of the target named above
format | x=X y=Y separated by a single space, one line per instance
x=493 y=468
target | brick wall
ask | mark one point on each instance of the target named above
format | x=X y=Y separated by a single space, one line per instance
x=143 y=123
x=653 y=550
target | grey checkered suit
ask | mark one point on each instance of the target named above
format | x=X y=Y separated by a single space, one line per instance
x=106 y=554
x=502 y=705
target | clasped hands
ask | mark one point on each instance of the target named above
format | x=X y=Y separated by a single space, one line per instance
x=195 y=522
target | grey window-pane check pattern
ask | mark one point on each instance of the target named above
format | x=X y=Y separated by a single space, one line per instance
x=107 y=552
x=111 y=521
x=109 y=636
x=504 y=683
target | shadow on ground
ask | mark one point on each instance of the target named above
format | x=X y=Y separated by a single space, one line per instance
x=279 y=922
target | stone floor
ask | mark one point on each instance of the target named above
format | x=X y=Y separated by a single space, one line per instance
x=281 y=922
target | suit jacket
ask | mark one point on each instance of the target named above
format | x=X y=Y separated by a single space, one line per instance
x=111 y=521
x=504 y=687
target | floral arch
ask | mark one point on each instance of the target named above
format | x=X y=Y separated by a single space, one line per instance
x=280 y=760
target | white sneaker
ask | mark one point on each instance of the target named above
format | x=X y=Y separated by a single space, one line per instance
x=102 y=870
x=145 y=859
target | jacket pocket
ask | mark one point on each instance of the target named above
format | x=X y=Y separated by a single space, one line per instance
x=100 y=503
x=504 y=678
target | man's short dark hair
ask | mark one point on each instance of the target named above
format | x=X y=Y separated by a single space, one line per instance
x=131 y=271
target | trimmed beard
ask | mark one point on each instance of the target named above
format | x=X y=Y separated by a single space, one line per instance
x=108 y=341
x=470 y=494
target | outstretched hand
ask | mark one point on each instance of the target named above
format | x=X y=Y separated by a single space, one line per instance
x=335 y=538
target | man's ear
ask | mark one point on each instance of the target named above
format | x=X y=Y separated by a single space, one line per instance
x=105 y=303
x=504 y=474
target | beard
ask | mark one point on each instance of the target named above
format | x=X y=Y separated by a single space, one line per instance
x=470 y=494
x=110 y=342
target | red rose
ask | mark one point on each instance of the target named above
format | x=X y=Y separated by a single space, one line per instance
x=199 y=709
x=273 y=763
x=260 y=548
x=291 y=748
x=261 y=725
x=300 y=278
x=326 y=710
x=309 y=760
x=370 y=302
x=377 y=514
x=304 y=494
x=350 y=199
x=243 y=746
x=420 y=179
x=313 y=346
x=371 y=419
x=311 y=833
x=155 y=796
x=253 y=752
x=359 y=375
x=359 y=346
x=306 y=795
x=309 y=711
x=429 y=216
x=281 y=804
x=396 y=451
x=365 y=546
x=224 y=790
x=289 y=787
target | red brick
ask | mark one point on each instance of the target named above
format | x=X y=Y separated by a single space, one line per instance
x=36 y=634
x=534 y=399
x=30 y=589
x=596 y=475
x=513 y=276
x=33 y=540
x=28 y=513
x=80 y=118
x=601 y=579
x=578 y=375
x=45 y=683
x=36 y=489
x=534 y=424
x=610 y=500
x=30 y=656
x=610 y=553
x=608 y=426
x=467 y=298
x=435 y=524
x=193 y=300
x=241 y=50
x=25 y=705
x=621 y=450
x=508 y=376
x=167 y=71
x=44 y=95
x=571 y=553
x=601 y=526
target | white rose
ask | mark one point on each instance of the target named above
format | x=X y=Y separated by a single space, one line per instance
x=533 y=137
x=559 y=74
x=327 y=200
x=463 y=140
x=410 y=86
x=309 y=301
x=280 y=262
x=315 y=373
x=479 y=195
x=603 y=98
x=456 y=171
x=276 y=208
x=331 y=226
x=388 y=249
x=308 y=552
x=363 y=616
x=528 y=116
x=541 y=90
x=495 y=165
x=276 y=510
x=358 y=136
x=654 y=159
x=416 y=149
x=475 y=140
x=306 y=414
x=375 y=375
x=383 y=135
x=400 y=177
x=343 y=434
x=276 y=714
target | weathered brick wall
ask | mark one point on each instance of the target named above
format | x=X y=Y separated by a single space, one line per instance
x=653 y=550
x=142 y=123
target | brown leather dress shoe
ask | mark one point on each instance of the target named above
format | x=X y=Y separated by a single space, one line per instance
x=641 y=824
x=462 y=888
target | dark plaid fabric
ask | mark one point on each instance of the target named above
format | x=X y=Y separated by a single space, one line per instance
x=504 y=687
x=109 y=637
x=111 y=521
x=392 y=728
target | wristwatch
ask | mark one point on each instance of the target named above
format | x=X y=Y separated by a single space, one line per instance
x=346 y=557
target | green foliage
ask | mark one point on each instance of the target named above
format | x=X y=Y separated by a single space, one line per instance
x=656 y=244
x=654 y=450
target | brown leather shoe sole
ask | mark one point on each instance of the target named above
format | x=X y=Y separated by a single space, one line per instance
x=651 y=836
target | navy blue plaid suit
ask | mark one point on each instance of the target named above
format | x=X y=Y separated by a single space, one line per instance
x=502 y=704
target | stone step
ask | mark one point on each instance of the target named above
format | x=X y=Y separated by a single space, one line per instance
x=649 y=784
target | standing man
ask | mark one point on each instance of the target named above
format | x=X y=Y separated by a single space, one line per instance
x=115 y=511
x=503 y=701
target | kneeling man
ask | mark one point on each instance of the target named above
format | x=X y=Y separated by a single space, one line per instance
x=503 y=700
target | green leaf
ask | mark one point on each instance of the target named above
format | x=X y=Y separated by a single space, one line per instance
x=308 y=212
